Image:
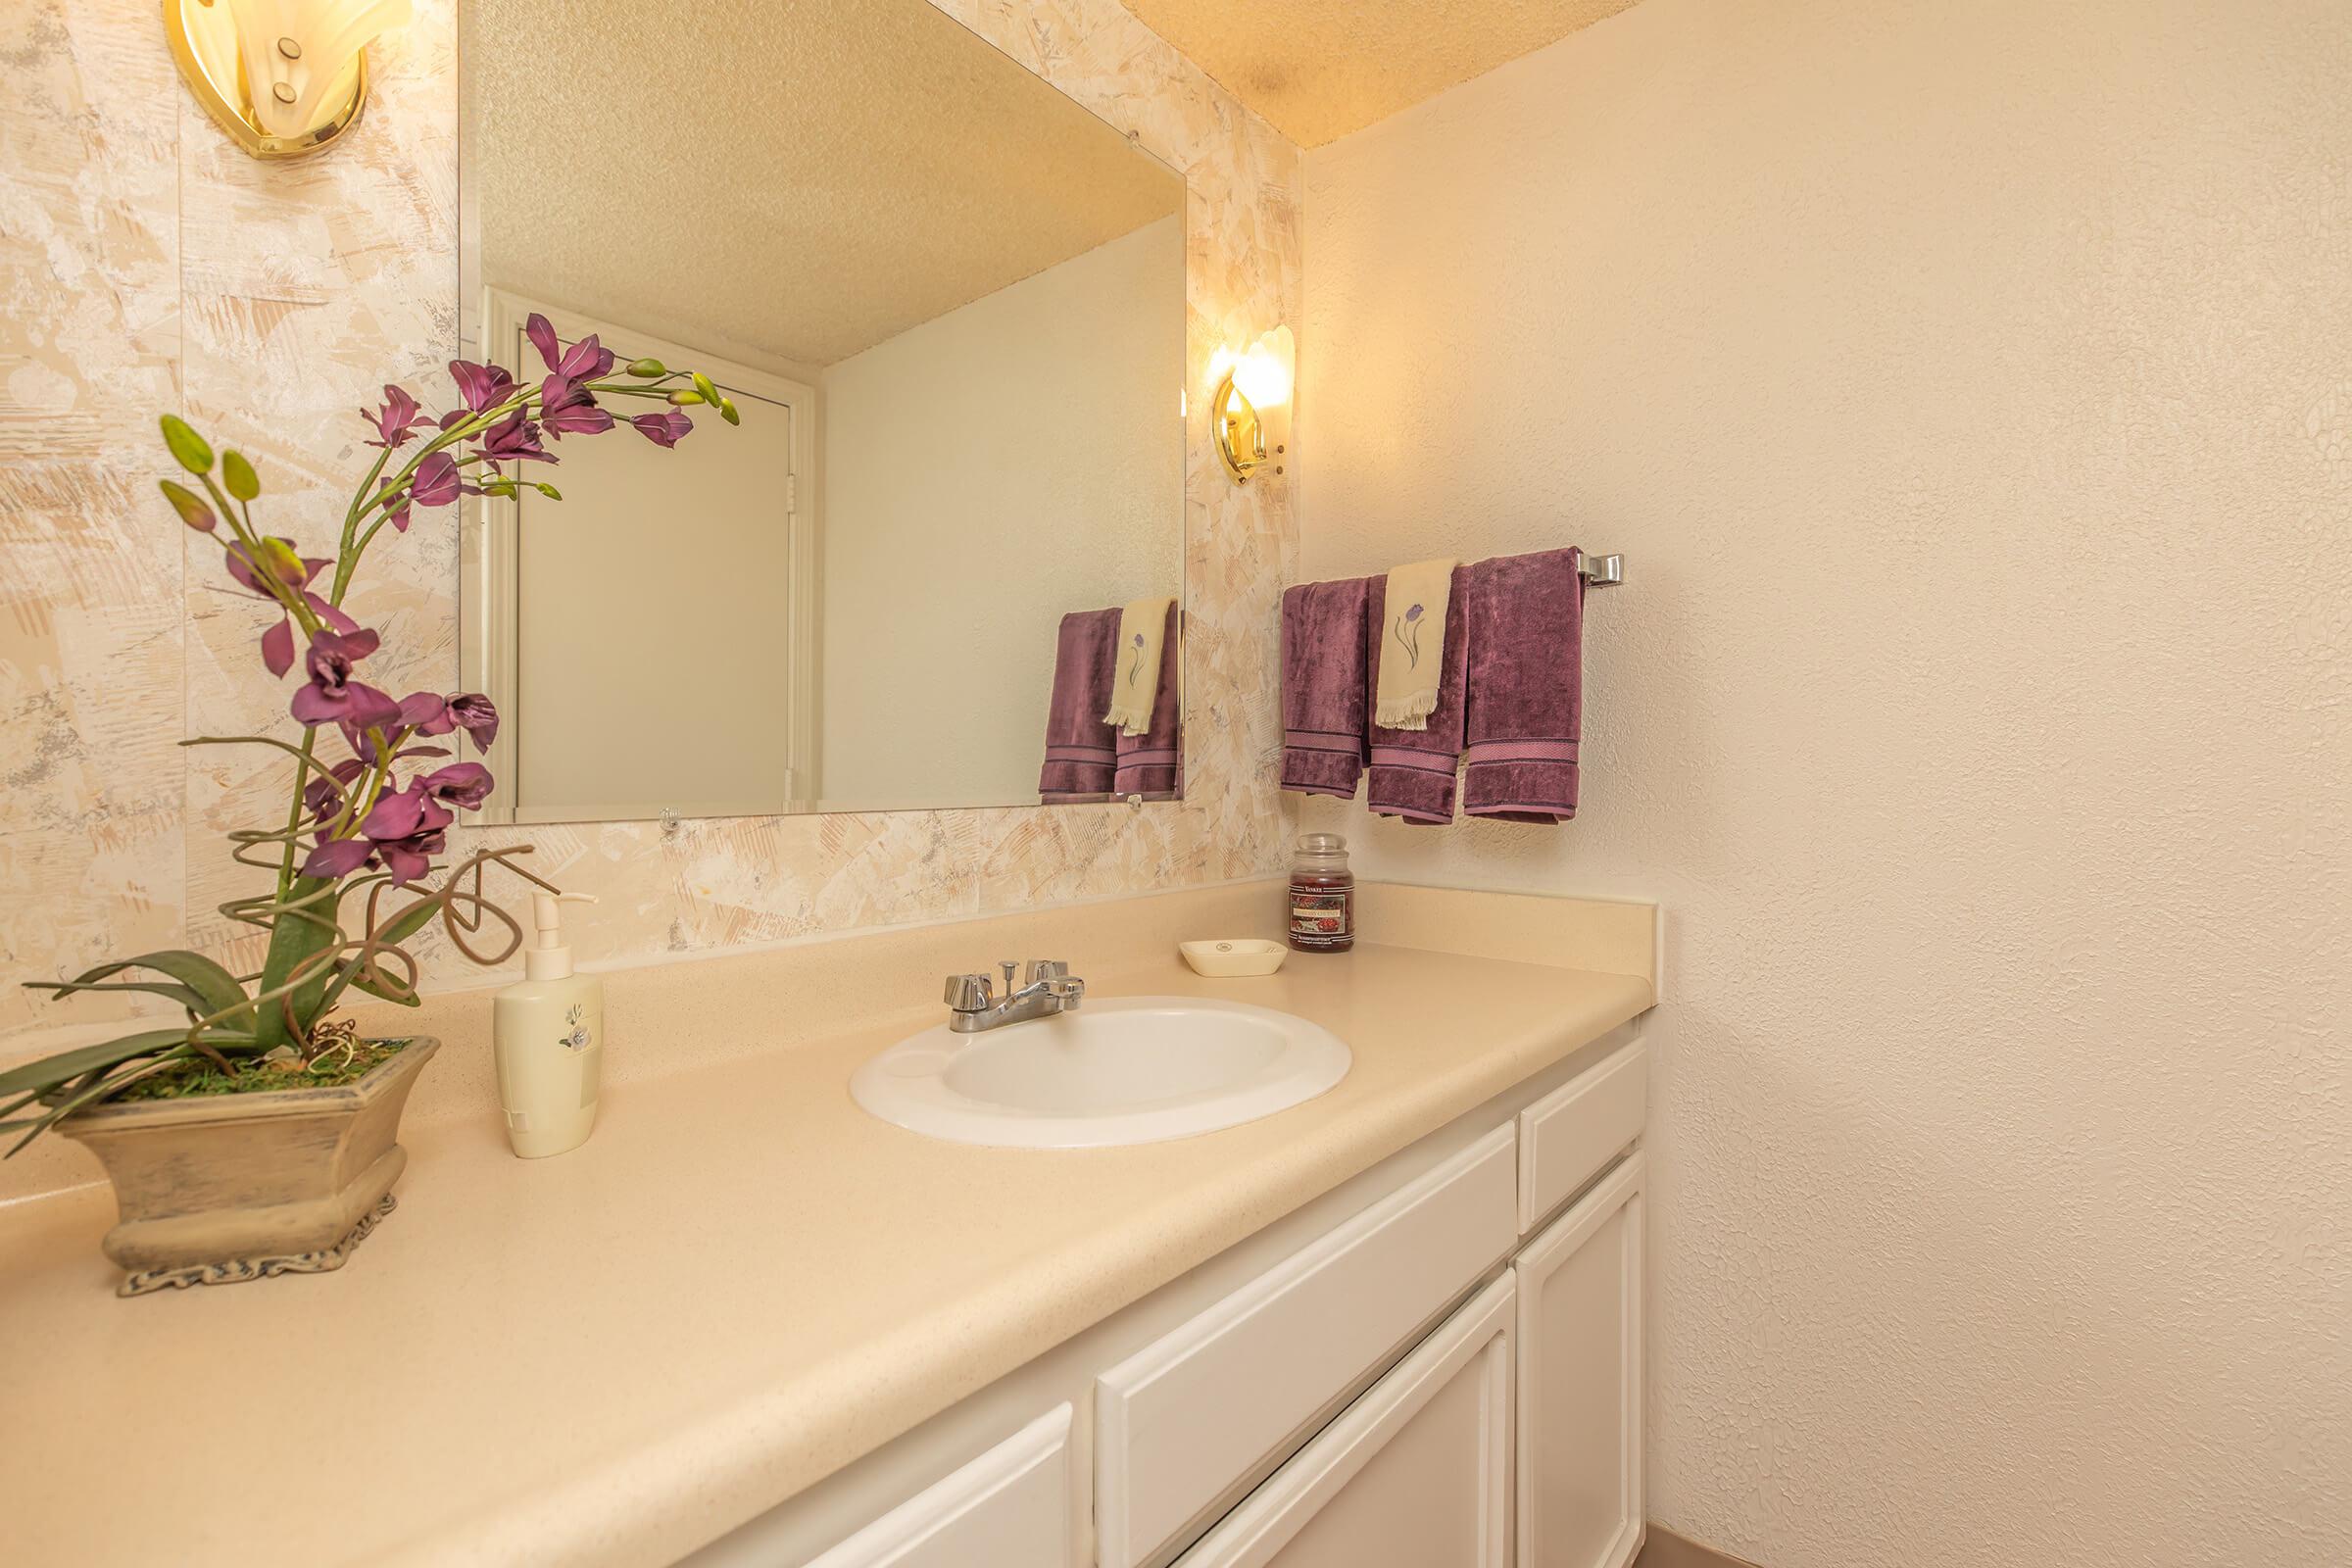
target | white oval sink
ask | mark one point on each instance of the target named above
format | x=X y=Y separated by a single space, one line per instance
x=1118 y=1070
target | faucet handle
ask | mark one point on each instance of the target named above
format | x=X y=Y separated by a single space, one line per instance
x=1012 y=972
x=1046 y=969
x=968 y=993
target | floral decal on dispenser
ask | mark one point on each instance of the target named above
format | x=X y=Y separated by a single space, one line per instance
x=578 y=1038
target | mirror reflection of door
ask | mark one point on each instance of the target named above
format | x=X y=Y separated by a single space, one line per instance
x=657 y=665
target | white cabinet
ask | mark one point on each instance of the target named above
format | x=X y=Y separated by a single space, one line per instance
x=1580 y=1382
x=1571 y=1132
x=1187 y=1422
x=1416 y=1471
x=1010 y=1509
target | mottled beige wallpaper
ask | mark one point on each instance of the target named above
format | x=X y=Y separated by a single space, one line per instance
x=148 y=265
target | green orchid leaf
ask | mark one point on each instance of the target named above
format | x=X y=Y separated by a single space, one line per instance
x=66 y=1066
x=192 y=510
x=215 y=986
x=237 y=476
x=192 y=452
x=295 y=942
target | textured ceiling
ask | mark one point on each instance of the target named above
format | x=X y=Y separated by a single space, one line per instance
x=800 y=177
x=1320 y=69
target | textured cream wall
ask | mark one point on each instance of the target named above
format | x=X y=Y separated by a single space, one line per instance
x=145 y=263
x=1970 y=389
x=983 y=475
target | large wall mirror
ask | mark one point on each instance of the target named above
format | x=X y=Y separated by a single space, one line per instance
x=948 y=304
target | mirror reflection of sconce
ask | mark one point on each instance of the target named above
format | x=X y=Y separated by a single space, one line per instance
x=283 y=77
x=1253 y=396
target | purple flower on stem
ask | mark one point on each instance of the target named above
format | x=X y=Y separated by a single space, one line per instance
x=435 y=485
x=408 y=830
x=514 y=439
x=665 y=429
x=426 y=714
x=482 y=386
x=461 y=784
x=566 y=409
x=324 y=796
x=276 y=563
x=584 y=361
x=474 y=714
x=395 y=419
x=337 y=857
x=332 y=696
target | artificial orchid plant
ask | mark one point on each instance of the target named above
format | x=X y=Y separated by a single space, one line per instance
x=375 y=820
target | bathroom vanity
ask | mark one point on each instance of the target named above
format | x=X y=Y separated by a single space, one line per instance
x=750 y=1323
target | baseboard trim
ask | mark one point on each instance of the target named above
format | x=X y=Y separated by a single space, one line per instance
x=1663 y=1549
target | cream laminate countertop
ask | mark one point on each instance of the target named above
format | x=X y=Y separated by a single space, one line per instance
x=739 y=1284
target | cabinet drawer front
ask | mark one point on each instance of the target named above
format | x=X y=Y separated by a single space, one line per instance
x=1417 y=1471
x=1010 y=1509
x=1186 y=1420
x=1569 y=1134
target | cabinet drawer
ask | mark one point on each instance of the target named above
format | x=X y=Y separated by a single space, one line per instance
x=1417 y=1471
x=1188 y=1421
x=1568 y=1135
x=1010 y=1509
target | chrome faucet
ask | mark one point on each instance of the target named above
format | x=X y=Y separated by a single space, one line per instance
x=1050 y=988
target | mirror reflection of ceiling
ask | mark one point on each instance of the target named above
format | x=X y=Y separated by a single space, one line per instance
x=804 y=178
x=1319 y=68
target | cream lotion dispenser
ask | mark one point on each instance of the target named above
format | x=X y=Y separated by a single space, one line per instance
x=549 y=1036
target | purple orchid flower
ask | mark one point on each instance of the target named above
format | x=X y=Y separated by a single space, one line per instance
x=665 y=429
x=395 y=419
x=437 y=483
x=407 y=831
x=332 y=696
x=584 y=361
x=474 y=714
x=277 y=562
x=324 y=796
x=426 y=714
x=514 y=439
x=461 y=784
x=334 y=858
x=565 y=407
x=482 y=386
x=1408 y=636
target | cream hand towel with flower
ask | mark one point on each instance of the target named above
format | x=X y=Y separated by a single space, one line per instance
x=1413 y=643
x=1143 y=625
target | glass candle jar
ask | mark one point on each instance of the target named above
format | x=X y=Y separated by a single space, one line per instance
x=1322 y=895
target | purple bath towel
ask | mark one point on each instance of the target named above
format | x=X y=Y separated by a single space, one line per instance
x=1411 y=773
x=1324 y=686
x=1525 y=618
x=1080 y=749
x=1151 y=764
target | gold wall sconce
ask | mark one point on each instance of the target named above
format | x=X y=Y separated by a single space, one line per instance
x=1253 y=389
x=283 y=77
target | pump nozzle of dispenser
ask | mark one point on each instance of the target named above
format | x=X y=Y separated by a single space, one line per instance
x=549 y=957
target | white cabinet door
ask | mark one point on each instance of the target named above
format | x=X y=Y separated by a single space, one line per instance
x=1580 y=1382
x=1010 y=1509
x=1416 y=1472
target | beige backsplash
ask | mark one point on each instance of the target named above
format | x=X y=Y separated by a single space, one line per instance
x=153 y=266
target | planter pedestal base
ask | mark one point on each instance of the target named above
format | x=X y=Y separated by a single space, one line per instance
x=237 y=1270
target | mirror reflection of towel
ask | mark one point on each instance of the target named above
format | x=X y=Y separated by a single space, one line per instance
x=1135 y=687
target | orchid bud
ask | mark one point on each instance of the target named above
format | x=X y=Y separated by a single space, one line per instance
x=192 y=512
x=191 y=450
x=647 y=368
x=547 y=490
x=237 y=476
x=279 y=560
x=726 y=412
x=684 y=395
x=703 y=384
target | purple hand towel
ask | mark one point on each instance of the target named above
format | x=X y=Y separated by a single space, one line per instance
x=1150 y=763
x=1080 y=749
x=1411 y=773
x=1324 y=686
x=1526 y=615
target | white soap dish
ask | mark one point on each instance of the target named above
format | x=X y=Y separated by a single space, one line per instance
x=1235 y=956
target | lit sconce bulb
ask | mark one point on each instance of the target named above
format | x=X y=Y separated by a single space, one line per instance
x=1253 y=385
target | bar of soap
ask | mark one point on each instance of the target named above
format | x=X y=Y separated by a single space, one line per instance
x=1221 y=958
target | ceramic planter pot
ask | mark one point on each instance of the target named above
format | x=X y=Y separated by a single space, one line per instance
x=221 y=1188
